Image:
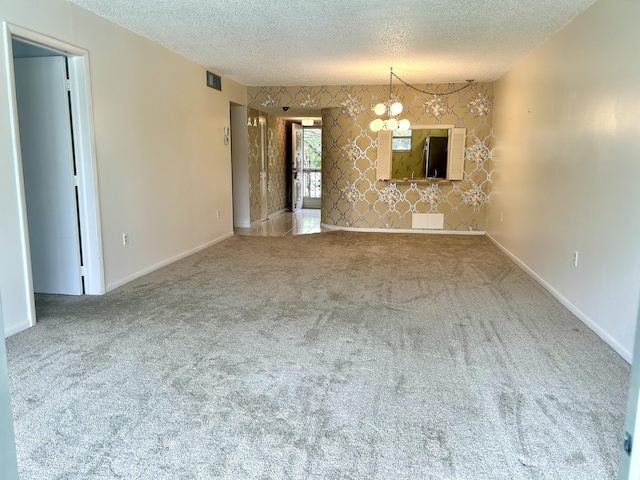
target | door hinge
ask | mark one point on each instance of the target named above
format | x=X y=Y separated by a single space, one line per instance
x=68 y=85
x=75 y=180
x=628 y=443
x=82 y=271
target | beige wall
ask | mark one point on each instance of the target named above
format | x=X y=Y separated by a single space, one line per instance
x=351 y=195
x=566 y=167
x=163 y=169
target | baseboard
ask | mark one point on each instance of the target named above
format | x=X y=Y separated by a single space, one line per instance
x=13 y=329
x=311 y=203
x=402 y=230
x=279 y=212
x=258 y=222
x=613 y=343
x=164 y=263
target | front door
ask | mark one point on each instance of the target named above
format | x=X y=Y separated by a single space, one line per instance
x=49 y=174
x=297 y=166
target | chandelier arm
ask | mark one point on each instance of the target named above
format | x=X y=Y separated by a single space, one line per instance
x=470 y=82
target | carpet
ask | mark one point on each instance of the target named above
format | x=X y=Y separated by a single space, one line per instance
x=338 y=355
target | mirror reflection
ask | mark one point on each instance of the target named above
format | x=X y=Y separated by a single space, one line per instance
x=420 y=153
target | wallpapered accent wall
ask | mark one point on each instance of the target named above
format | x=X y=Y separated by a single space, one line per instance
x=351 y=195
x=276 y=149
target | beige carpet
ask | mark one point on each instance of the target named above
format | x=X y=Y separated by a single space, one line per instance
x=330 y=356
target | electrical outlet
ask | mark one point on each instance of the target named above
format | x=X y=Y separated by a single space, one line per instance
x=125 y=239
x=575 y=259
x=218 y=213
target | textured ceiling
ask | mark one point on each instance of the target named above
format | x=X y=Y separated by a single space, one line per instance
x=346 y=42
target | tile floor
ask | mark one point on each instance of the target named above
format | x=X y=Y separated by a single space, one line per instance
x=300 y=222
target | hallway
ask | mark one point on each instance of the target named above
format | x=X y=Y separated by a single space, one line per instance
x=301 y=222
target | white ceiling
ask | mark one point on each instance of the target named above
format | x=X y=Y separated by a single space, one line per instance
x=346 y=42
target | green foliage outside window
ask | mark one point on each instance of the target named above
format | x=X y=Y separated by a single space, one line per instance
x=401 y=141
x=312 y=148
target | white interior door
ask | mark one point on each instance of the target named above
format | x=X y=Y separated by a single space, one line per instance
x=49 y=176
x=630 y=456
x=297 y=166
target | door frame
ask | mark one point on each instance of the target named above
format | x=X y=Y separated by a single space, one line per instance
x=297 y=167
x=310 y=202
x=629 y=467
x=49 y=172
x=85 y=153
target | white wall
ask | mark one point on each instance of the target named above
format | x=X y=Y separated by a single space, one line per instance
x=240 y=160
x=8 y=462
x=163 y=169
x=566 y=167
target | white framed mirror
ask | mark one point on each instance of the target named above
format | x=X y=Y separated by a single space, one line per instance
x=426 y=153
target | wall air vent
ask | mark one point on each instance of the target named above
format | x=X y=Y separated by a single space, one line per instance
x=214 y=81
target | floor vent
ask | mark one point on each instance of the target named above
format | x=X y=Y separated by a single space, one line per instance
x=430 y=221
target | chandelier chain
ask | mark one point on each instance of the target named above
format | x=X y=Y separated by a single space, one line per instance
x=391 y=74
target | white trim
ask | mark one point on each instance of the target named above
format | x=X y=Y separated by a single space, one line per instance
x=257 y=222
x=13 y=329
x=164 y=263
x=268 y=217
x=279 y=212
x=29 y=299
x=433 y=126
x=402 y=230
x=311 y=203
x=84 y=139
x=43 y=41
x=86 y=163
x=623 y=352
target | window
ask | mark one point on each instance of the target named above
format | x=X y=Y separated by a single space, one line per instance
x=401 y=141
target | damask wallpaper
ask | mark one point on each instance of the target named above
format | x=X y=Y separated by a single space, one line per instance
x=276 y=148
x=351 y=195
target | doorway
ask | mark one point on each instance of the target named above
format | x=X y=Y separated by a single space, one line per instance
x=297 y=156
x=60 y=208
x=48 y=172
x=312 y=167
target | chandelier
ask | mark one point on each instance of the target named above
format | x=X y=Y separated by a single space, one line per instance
x=392 y=109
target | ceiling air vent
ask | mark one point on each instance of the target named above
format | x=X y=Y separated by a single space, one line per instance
x=214 y=81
